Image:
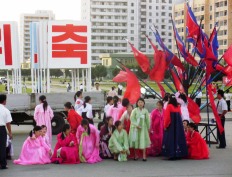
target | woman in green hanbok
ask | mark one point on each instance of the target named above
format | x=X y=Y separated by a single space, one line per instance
x=139 y=129
x=118 y=143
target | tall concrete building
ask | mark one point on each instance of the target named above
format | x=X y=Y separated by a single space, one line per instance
x=211 y=11
x=114 y=20
x=26 y=19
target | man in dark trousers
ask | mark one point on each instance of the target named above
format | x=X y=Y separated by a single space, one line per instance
x=222 y=110
x=5 y=120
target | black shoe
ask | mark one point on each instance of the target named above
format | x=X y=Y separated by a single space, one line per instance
x=135 y=159
x=4 y=167
x=144 y=160
x=220 y=147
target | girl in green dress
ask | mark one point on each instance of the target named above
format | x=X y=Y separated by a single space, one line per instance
x=118 y=143
x=139 y=129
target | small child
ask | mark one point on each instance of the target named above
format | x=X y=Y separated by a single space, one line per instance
x=9 y=148
x=109 y=102
x=125 y=119
x=197 y=147
x=44 y=135
x=185 y=124
x=118 y=143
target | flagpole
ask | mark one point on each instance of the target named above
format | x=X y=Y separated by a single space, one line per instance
x=198 y=37
x=207 y=102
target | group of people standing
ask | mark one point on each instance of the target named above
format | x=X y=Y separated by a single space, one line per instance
x=125 y=132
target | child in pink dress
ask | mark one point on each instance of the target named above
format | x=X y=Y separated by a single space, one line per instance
x=114 y=110
x=88 y=140
x=34 y=150
x=44 y=135
x=156 y=130
x=43 y=115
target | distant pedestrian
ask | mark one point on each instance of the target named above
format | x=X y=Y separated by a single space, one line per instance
x=81 y=88
x=5 y=120
x=112 y=92
x=43 y=115
x=120 y=87
x=198 y=97
x=68 y=86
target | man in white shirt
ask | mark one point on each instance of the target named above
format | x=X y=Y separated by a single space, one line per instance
x=222 y=110
x=97 y=87
x=5 y=120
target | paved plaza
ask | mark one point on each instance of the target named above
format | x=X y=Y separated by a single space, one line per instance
x=219 y=164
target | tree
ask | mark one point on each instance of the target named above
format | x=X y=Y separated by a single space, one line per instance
x=100 y=71
x=56 y=72
x=26 y=72
x=93 y=74
x=115 y=71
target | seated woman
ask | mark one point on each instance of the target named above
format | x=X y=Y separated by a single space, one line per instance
x=197 y=147
x=66 y=149
x=118 y=143
x=34 y=150
x=105 y=134
x=88 y=138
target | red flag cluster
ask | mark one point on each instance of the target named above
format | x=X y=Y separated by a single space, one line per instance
x=133 y=91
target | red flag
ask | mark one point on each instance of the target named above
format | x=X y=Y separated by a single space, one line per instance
x=228 y=70
x=152 y=44
x=158 y=71
x=190 y=59
x=194 y=111
x=180 y=73
x=121 y=77
x=142 y=59
x=209 y=67
x=177 y=83
x=176 y=61
x=214 y=109
x=209 y=53
x=228 y=56
x=162 y=91
x=133 y=91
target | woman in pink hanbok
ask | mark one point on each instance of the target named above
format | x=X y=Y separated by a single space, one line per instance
x=114 y=110
x=88 y=139
x=34 y=150
x=66 y=149
x=43 y=116
x=156 y=130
